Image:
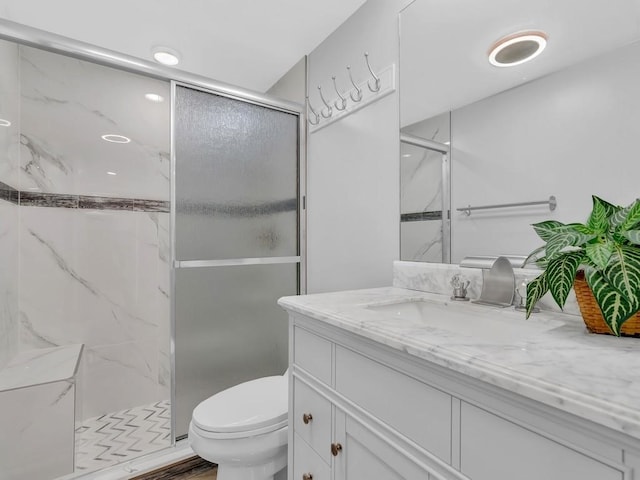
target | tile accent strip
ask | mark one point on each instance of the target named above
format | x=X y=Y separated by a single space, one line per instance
x=105 y=203
x=60 y=200
x=86 y=202
x=8 y=193
x=37 y=199
x=421 y=216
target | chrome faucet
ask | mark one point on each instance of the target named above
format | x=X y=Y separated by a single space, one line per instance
x=459 y=287
x=498 y=282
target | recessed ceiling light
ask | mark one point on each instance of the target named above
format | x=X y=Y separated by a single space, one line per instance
x=4 y=123
x=166 y=56
x=517 y=48
x=116 y=138
x=111 y=173
x=154 y=97
x=406 y=155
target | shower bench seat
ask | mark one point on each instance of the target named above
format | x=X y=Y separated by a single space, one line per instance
x=38 y=414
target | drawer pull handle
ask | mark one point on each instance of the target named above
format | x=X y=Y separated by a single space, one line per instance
x=307 y=476
x=306 y=418
x=336 y=448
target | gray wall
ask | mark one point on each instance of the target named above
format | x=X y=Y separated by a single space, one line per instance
x=353 y=168
x=292 y=85
x=570 y=134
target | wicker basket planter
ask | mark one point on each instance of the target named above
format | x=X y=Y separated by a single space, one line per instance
x=592 y=315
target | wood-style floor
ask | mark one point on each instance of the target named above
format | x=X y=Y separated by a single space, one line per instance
x=194 y=468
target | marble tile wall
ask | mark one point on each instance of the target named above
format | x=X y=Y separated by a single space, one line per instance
x=9 y=141
x=94 y=248
x=67 y=105
x=100 y=280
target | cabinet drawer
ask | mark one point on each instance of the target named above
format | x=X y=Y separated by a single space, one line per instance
x=415 y=409
x=313 y=354
x=306 y=461
x=493 y=448
x=317 y=432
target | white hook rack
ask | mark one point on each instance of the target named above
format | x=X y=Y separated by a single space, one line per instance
x=385 y=80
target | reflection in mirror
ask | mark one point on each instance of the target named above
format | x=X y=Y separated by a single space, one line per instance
x=420 y=204
x=424 y=191
x=565 y=124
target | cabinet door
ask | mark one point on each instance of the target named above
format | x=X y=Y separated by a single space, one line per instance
x=364 y=456
x=493 y=448
x=316 y=428
x=307 y=464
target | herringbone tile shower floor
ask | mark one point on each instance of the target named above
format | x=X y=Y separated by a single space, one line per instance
x=120 y=436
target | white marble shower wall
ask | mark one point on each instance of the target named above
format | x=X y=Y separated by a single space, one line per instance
x=66 y=107
x=95 y=271
x=9 y=141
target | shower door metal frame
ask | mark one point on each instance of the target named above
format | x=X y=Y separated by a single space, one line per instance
x=300 y=259
x=445 y=150
x=37 y=38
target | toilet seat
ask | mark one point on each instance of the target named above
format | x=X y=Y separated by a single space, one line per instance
x=252 y=408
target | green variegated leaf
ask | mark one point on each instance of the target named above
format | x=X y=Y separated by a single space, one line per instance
x=616 y=309
x=623 y=271
x=633 y=236
x=598 y=220
x=599 y=253
x=580 y=228
x=632 y=218
x=609 y=208
x=536 y=289
x=560 y=274
x=619 y=217
x=558 y=242
x=534 y=257
x=548 y=229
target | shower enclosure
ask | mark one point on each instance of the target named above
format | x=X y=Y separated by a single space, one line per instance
x=144 y=242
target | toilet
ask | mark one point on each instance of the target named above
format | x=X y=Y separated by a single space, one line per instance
x=244 y=429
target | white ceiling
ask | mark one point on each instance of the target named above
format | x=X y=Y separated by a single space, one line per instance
x=248 y=43
x=252 y=43
x=444 y=44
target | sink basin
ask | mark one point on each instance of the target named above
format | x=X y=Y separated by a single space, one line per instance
x=503 y=325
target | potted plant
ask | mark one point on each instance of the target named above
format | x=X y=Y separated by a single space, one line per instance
x=602 y=259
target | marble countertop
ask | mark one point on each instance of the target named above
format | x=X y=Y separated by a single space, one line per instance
x=38 y=366
x=550 y=358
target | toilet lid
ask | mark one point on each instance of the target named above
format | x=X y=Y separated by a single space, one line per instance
x=252 y=405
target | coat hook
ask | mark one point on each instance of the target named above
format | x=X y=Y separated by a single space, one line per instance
x=329 y=109
x=375 y=77
x=343 y=101
x=317 y=118
x=358 y=92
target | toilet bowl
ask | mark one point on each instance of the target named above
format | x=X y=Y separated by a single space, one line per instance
x=244 y=429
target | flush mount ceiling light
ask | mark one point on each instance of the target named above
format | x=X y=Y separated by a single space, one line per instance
x=517 y=48
x=165 y=56
x=4 y=123
x=154 y=97
x=116 y=138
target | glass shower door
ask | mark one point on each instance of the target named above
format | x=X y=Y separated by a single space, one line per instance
x=236 y=242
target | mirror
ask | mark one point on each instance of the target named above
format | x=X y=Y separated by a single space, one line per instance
x=563 y=124
x=424 y=187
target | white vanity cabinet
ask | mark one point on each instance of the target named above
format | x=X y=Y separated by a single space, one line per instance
x=362 y=410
